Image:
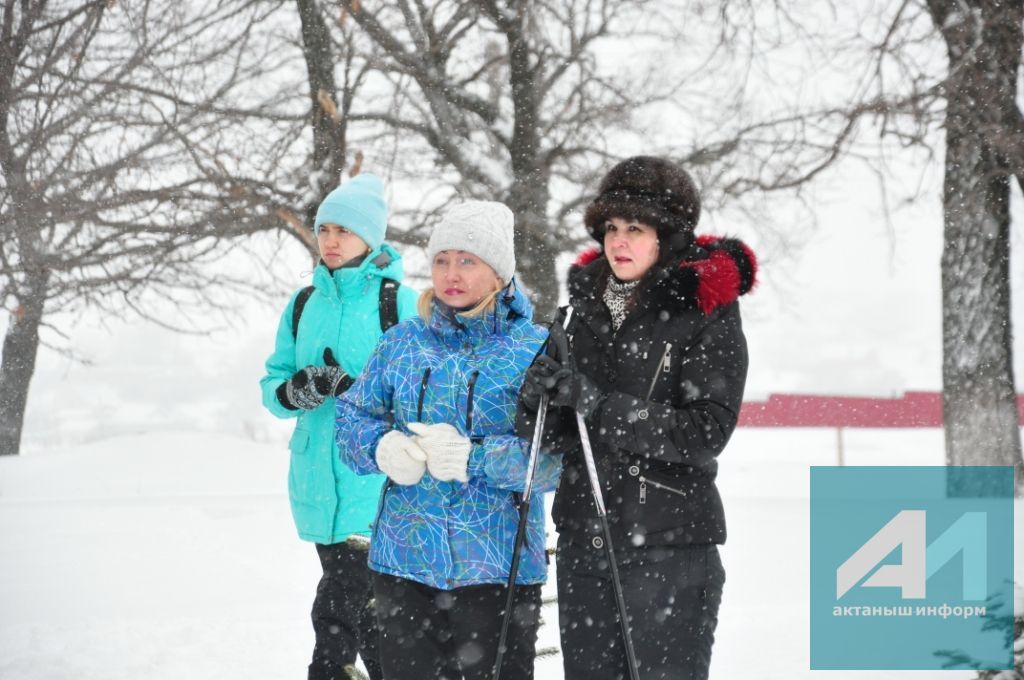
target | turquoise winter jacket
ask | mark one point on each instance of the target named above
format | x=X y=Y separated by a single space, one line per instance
x=330 y=502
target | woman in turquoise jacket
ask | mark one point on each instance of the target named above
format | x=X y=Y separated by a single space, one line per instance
x=435 y=411
x=326 y=333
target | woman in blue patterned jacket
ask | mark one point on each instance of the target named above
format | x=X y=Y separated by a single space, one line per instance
x=435 y=410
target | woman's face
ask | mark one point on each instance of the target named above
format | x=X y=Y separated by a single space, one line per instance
x=631 y=247
x=462 y=279
x=338 y=245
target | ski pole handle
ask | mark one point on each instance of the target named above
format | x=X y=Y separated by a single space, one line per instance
x=538 y=430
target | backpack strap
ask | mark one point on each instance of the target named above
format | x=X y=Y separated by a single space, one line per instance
x=300 y=304
x=388 y=304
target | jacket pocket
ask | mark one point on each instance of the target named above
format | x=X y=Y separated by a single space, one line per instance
x=655 y=484
x=659 y=501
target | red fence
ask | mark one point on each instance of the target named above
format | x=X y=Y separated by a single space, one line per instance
x=913 y=409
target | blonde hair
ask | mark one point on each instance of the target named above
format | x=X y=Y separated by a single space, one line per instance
x=426 y=302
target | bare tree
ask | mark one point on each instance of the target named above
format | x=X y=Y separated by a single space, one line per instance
x=529 y=102
x=972 y=99
x=330 y=106
x=964 y=108
x=304 y=152
x=103 y=202
x=508 y=99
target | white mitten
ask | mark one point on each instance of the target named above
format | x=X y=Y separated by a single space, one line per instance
x=447 y=450
x=400 y=458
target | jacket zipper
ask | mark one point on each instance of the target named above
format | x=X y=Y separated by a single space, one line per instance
x=664 y=366
x=469 y=403
x=380 y=503
x=643 y=489
x=423 y=392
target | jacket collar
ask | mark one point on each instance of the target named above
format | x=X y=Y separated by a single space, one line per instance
x=381 y=263
x=714 y=272
x=510 y=304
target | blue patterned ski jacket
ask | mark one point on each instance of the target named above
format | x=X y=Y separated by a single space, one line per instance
x=451 y=534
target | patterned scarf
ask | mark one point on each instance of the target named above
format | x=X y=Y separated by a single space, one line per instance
x=616 y=295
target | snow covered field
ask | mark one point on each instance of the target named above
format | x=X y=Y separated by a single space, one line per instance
x=172 y=556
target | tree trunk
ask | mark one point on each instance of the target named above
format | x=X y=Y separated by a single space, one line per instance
x=536 y=249
x=19 y=360
x=535 y=254
x=328 y=125
x=979 y=396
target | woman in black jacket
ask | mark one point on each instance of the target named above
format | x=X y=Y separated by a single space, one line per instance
x=657 y=365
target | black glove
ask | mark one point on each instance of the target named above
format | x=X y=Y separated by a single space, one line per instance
x=540 y=376
x=575 y=390
x=309 y=387
x=539 y=380
x=333 y=380
x=555 y=374
x=299 y=391
x=560 y=431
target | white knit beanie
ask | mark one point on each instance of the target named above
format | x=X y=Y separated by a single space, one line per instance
x=484 y=228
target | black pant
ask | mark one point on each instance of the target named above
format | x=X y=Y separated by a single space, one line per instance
x=343 y=614
x=672 y=596
x=426 y=633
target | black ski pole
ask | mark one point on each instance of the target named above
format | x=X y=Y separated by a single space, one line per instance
x=602 y=515
x=524 y=516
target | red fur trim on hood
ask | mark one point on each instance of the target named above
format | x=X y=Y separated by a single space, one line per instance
x=718 y=280
x=586 y=257
x=752 y=258
x=728 y=271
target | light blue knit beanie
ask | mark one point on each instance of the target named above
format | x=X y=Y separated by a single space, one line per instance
x=359 y=206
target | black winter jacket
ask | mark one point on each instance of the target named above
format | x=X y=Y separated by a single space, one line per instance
x=672 y=380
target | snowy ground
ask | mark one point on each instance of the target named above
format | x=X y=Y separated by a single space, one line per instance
x=172 y=556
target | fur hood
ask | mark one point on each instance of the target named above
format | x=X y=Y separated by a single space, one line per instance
x=713 y=273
